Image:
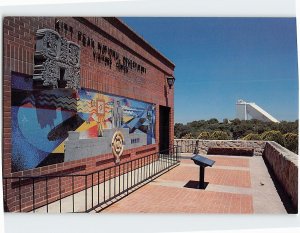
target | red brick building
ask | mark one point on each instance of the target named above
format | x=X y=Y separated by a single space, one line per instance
x=79 y=94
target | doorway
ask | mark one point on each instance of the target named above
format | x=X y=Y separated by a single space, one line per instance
x=164 y=128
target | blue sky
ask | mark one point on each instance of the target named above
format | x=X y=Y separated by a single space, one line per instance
x=221 y=60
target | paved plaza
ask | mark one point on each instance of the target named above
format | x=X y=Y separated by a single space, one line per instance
x=236 y=185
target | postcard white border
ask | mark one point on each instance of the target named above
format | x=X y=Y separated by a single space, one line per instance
x=78 y=223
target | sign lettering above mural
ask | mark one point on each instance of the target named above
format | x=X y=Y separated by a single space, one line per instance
x=102 y=53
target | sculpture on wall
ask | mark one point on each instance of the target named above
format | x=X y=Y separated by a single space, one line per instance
x=56 y=61
x=117 y=145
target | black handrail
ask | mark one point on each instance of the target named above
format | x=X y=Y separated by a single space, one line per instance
x=141 y=171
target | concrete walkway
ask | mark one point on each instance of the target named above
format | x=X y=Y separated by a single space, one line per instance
x=236 y=185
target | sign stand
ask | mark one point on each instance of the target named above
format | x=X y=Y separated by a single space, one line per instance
x=202 y=162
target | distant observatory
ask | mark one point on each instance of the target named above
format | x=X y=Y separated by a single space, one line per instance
x=247 y=111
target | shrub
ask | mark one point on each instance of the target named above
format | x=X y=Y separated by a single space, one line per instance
x=219 y=135
x=213 y=121
x=252 y=136
x=204 y=135
x=187 y=136
x=291 y=141
x=273 y=135
x=225 y=121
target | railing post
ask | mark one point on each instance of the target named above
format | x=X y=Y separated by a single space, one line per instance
x=145 y=168
x=73 y=201
x=123 y=176
x=6 y=193
x=134 y=176
x=127 y=178
x=109 y=183
x=138 y=171
x=173 y=155
x=115 y=180
x=20 y=195
x=47 y=201
x=98 y=187
x=92 y=190
x=85 y=193
x=33 y=201
x=119 y=178
x=130 y=173
x=59 y=184
x=104 y=181
x=147 y=165
x=149 y=168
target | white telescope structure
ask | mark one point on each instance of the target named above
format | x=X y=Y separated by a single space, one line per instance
x=247 y=111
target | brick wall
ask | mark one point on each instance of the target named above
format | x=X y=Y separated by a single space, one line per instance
x=18 y=56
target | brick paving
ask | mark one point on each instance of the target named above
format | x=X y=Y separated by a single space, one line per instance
x=236 y=185
x=225 y=161
x=212 y=175
x=177 y=200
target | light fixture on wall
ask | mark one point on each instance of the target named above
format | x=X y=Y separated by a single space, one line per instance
x=170 y=81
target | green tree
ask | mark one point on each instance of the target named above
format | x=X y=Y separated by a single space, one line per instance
x=252 y=136
x=273 y=135
x=180 y=130
x=291 y=141
x=219 y=135
x=236 y=121
x=213 y=121
x=235 y=128
x=288 y=127
x=204 y=135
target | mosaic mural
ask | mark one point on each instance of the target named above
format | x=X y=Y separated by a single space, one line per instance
x=42 y=119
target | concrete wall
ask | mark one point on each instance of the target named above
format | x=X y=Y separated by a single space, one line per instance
x=77 y=148
x=284 y=164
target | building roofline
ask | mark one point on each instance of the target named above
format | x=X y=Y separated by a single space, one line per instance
x=124 y=28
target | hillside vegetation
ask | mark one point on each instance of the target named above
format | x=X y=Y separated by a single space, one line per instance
x=285 y=133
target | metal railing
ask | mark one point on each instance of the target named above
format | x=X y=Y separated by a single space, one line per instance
x=85 y=192
x=187 y=145
x=190 y=147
